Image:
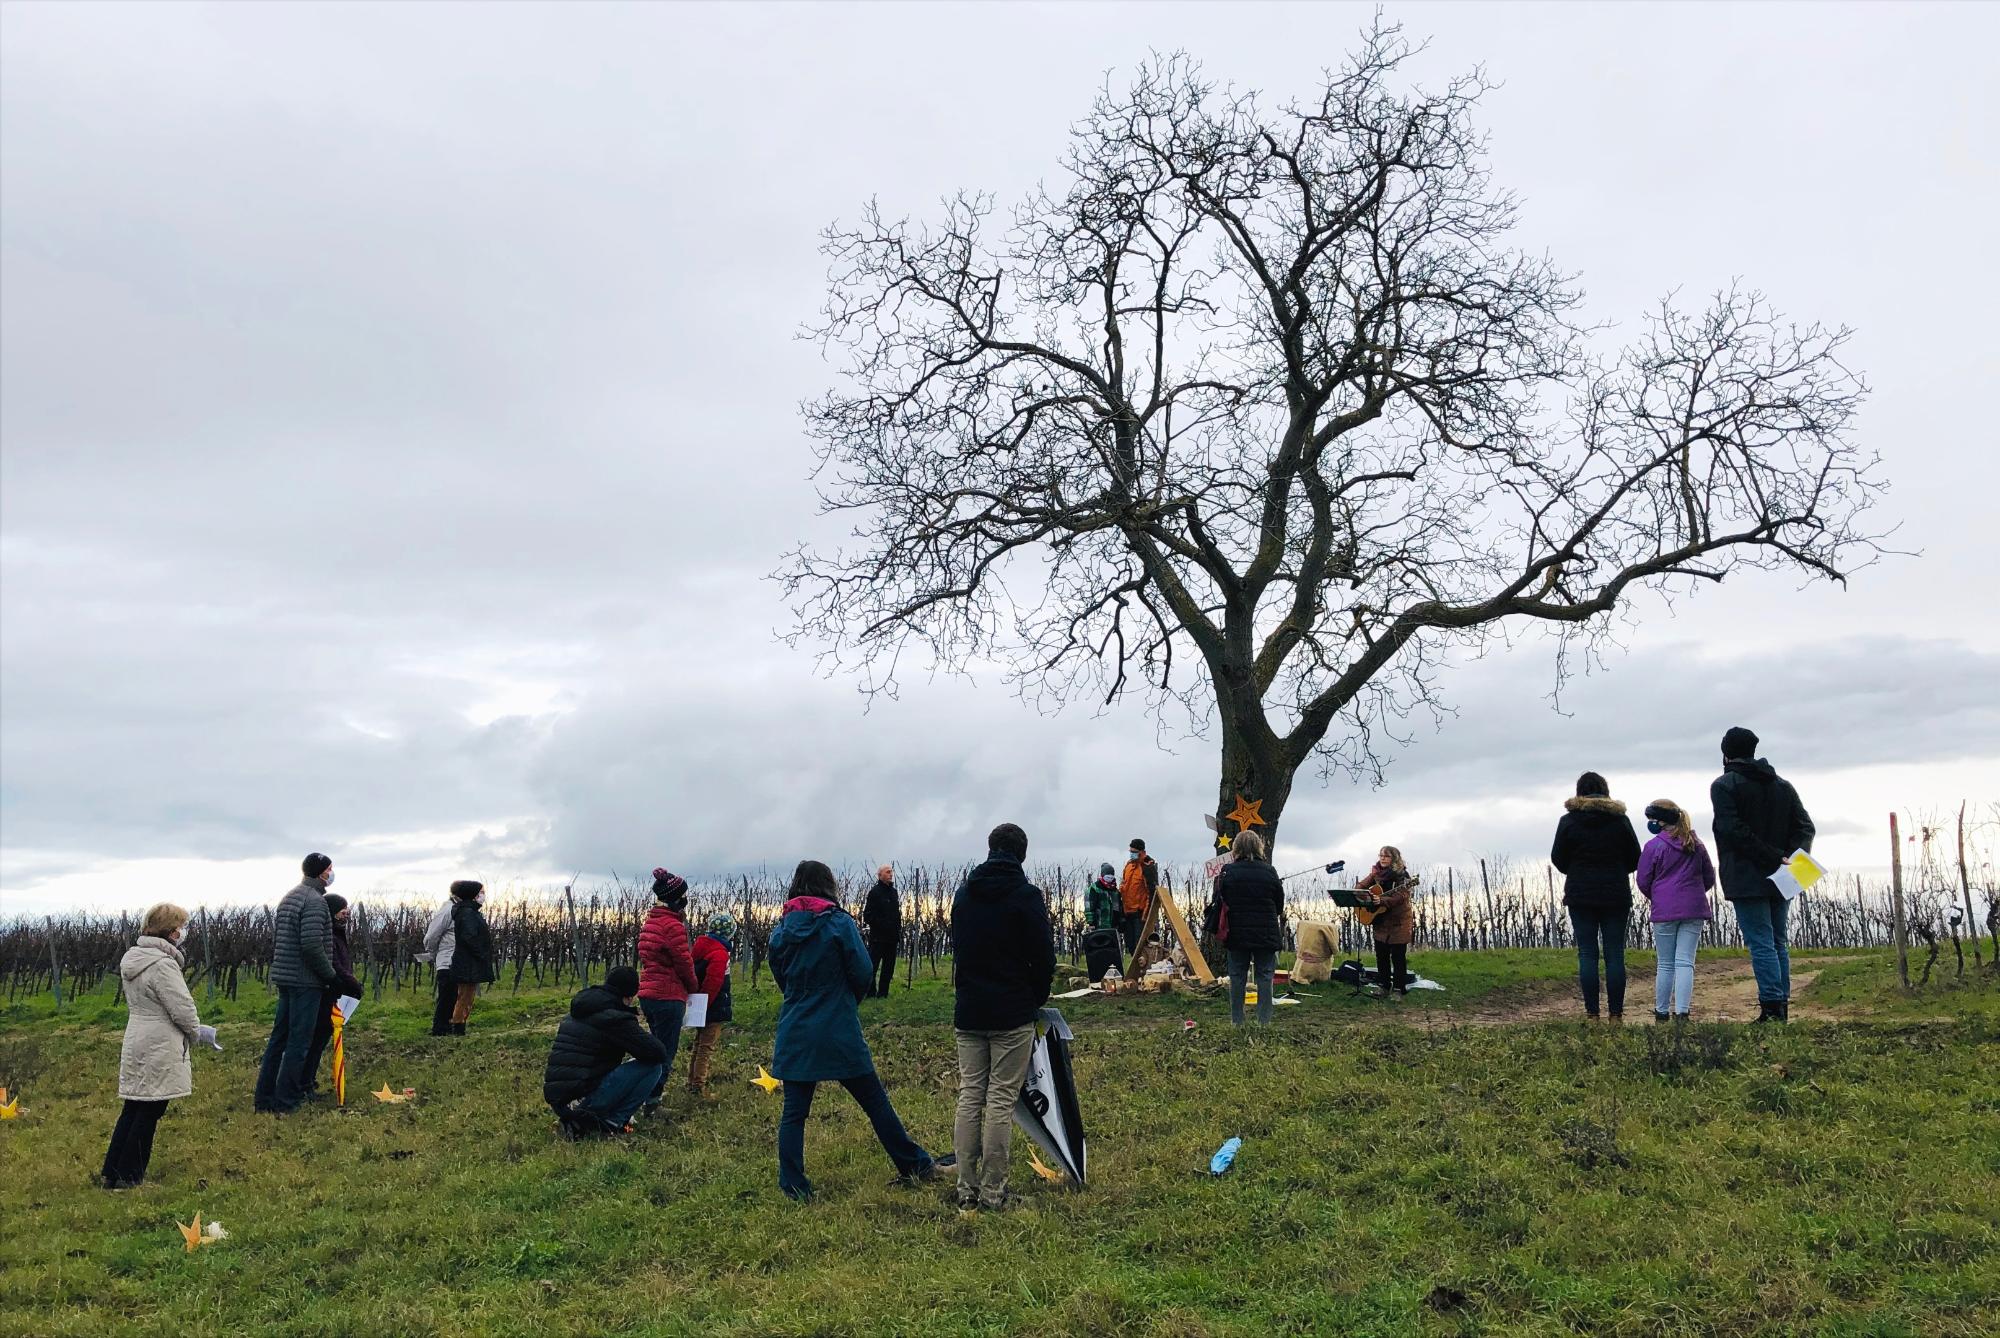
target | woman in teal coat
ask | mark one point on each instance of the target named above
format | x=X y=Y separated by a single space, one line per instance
x=823 y=970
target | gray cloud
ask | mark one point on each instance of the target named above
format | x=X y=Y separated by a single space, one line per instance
x=399 y=416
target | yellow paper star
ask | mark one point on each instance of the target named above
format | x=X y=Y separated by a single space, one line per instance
x=386 y=1095
x=1044 y=1172
x=766 y=1081
x=1222 y=843
x=191 y=1233
x=9 y=1110
x=1246 y=815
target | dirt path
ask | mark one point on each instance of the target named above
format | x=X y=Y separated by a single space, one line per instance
x=1724 y=991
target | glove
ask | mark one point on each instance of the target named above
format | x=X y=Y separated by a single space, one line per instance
x=205 y=1035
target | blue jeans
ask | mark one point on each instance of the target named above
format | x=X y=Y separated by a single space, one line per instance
x=873 y=1098
x=1595 y=927
x=665 y=1016
x=1265 y=962
x=620 y=1092
x=1673 y=982
x=281 y=1078
x=1763 y=925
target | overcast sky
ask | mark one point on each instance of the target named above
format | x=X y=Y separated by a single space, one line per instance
x=399 y=412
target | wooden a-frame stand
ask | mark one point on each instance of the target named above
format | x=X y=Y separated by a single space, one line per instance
x=1142 y=954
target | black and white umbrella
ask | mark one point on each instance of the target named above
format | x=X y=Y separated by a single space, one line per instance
x=1047 y=1110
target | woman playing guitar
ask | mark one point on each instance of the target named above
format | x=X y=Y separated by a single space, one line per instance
x=1385 y=896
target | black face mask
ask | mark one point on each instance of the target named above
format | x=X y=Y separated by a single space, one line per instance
x=1653 y=826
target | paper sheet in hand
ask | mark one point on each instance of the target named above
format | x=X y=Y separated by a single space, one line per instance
x=1797 y=874
x=697 y=1013
x=347 y=1004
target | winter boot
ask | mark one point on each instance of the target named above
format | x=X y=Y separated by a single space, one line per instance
x=1784 y=1007
x=1659 y=1018
x=1766 y=1011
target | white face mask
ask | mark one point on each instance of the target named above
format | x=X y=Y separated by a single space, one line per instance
x=329 y=878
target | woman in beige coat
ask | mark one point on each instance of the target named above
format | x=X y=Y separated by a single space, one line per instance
x=160 y=1034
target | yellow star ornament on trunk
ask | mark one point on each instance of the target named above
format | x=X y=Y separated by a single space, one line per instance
x=1246 y=815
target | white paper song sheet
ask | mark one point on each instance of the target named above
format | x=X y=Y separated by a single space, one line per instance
x=697 y=1013
x=1797 y=874
x=347 y=1004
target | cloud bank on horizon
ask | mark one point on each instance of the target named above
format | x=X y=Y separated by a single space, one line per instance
x=390 y=465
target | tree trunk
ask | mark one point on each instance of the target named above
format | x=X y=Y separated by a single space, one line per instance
x=1256 y=771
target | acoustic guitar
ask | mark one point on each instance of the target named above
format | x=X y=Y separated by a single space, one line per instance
x=1367 y=911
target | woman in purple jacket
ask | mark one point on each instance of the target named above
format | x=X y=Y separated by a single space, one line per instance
x=1675 y=874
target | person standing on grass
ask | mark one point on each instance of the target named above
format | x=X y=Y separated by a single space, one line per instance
x=161 y=1030
x=1596 y=851
x=1136 y=887
x=345 y=982
x=301 y=972
x=1674 y=875
x=1003 y=956
x=1759 y=822
x=1100 y=900
x=1249 y=918
x=666 y=971
x=882 y=913
x=440 y=946
x=711 y=969
x=473 y=958
x=589 y=1082
x=823 y=973
x=1388 y=885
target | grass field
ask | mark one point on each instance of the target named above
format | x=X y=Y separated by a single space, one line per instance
x=1422 y=1168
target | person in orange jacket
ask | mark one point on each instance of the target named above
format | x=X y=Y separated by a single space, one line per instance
x=1136 y=887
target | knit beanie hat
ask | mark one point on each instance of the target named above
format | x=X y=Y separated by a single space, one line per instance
x=668 y=887
x=465 y=889
x=335 y=903
x=1738 y=743
x=1139 y=844
x=622 y=981
x=1106 y=871
x=722 y=925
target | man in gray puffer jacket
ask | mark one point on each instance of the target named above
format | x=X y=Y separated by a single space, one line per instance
x=301 y=967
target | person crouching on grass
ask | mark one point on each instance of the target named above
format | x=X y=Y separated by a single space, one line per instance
x=1387 y=886
x=711 y=967
x=1675 y=875
x=160 y=1033
x=824 y=973
x=593 y=1093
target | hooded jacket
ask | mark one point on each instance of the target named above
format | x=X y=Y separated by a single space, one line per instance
x=472 y=953
x=153 y=1062
x=343 y=964
x=1003 y=951
x=596 y=1036
x=824 y=973
x=1100 y=903
x=1138 y=883
x=302 y=939
x=1676 y=879
x=1394 y=921
x=1596 y=850
x=440 y=938
x=1759 y=822
x=1249 y=889
x=666 y=964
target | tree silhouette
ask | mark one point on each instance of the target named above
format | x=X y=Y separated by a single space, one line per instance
x=1260 y=413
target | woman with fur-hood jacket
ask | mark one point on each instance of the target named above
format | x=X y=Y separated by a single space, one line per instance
x=160 y=1034
x=1596 y=851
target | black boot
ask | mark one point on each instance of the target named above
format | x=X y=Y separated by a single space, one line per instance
x=1784 y=1010
x=458 y=1029
x=1659 y=1018
x=1766 y=1011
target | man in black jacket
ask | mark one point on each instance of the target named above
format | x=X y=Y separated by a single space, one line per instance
x=1759 y=822
x=882 y=914
x=1003 y=962
x=592 y=1093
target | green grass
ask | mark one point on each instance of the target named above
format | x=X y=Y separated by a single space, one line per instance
x=1400 y=1174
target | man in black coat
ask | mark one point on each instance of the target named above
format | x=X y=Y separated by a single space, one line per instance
x=1003 y=963
x=882 y=916
x=1759 y=822
x=592 y=1092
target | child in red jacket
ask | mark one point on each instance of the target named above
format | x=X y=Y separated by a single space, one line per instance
x=711 y=967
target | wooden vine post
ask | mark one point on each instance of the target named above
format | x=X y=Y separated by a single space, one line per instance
x=1896 y=902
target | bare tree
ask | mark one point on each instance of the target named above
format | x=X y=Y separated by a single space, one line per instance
x=1261 y=414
